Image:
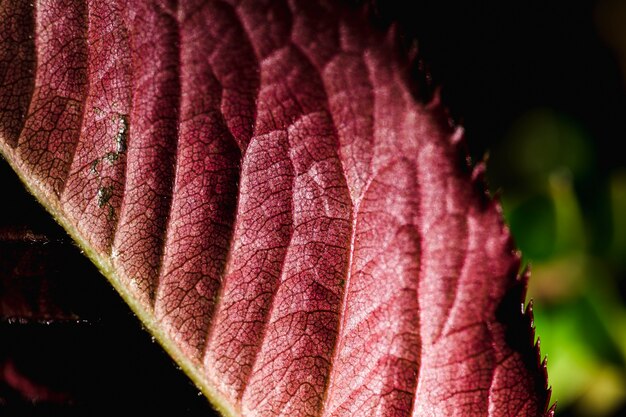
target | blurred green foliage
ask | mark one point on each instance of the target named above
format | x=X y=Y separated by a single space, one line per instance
x=541 y=86
x=578 y=268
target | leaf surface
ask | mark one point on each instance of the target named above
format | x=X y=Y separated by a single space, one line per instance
x=259 y=183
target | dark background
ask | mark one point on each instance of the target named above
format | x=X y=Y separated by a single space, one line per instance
x=537 y=84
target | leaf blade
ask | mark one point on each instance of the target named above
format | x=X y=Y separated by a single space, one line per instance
x=346 y=184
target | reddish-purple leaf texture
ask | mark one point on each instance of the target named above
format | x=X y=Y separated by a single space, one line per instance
x=260 y=184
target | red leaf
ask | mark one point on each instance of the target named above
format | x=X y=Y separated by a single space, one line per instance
x=258 y=182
